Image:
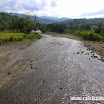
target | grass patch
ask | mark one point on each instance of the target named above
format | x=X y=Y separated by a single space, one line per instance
x=9 y=37
x=4 y=35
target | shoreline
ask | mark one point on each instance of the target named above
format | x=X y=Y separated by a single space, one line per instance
x=7 y=70
x=8 y=48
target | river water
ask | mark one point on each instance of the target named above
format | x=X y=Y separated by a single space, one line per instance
x=62 y=68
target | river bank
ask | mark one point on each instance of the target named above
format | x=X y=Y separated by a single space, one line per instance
x=7 y=61
x=95 y=47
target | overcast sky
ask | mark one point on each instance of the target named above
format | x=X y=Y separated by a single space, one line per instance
x=55 y=8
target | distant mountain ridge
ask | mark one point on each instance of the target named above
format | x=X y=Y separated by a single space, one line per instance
x=43 y=19
x=48 y=17
x=83 y=21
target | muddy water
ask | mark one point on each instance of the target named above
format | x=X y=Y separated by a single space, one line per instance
x=60 y=68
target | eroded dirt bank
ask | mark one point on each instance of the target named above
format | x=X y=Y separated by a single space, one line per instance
x=11 y=65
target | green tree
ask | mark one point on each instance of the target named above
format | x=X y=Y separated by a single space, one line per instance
x=85 y=27
x=100 y=28
x=28 y=27
x=35 y=22
x=21 y=24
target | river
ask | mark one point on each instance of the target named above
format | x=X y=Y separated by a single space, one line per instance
x=60 y=68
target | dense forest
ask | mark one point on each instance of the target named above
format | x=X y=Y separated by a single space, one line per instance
x=15 y=23
x=81 y=24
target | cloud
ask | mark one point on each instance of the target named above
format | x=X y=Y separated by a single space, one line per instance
x=33 y=4
x=53 y=3
x=7 y=5
x=72 y=8
x=59 y=8
x=97 y=13
x=30 y=5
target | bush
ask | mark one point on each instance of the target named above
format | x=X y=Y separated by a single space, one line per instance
x=31 y=37
x=87 y=35
x=20 y=39
x=25 y=36
x=6 y=40
x=11 y=39
x=69 y=31
x=102 y=40
x=0 y=42
x=38 y=36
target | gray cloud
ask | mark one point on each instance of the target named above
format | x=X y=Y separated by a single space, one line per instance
x=100 y=12
x=33 y=5
x=18 y=5
x=6 y=5
x=53 y=3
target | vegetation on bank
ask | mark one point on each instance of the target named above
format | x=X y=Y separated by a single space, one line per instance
x=90 y=36
x=15 y=29
x=86 y=33
x=10 y=37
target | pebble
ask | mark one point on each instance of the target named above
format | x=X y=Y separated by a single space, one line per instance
x=8 y=73
x=61 y=88
x=82 y=52
x=31 y=67
x=102 y=46
x=18 y=82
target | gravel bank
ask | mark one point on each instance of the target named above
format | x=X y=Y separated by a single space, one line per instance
x=9 y=65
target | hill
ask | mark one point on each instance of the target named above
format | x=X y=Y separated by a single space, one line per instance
x=79 y=22
x=43 y=19
x=40 y=20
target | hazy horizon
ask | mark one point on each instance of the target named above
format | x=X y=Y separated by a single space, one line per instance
x=59 y=8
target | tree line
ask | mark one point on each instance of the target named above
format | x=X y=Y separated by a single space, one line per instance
x=85 y=31
x=15 y=23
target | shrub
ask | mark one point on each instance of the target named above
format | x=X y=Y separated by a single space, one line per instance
x=20 y=39
x=69 y=31
x=102 y=40
x=38 y=36
x=11 y=39
x=87 y=35
x=31 y=37
x=25 y=36
x=6 y=40
x=0 y=42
